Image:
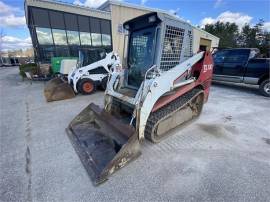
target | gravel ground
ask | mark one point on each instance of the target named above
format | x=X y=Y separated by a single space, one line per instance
x=222 y=156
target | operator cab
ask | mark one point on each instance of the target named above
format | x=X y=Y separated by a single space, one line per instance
x=89 y=56
x=141 y=52
x=157 y=41
x=142 y=47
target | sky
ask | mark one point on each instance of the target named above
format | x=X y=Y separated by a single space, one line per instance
x=15 y=34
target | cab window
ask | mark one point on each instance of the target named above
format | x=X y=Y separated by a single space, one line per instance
x=237 y=56
x=219 y=56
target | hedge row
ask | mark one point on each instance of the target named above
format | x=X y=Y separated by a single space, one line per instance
x=31 y=67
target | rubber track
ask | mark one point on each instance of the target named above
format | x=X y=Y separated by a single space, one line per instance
x=166 y=110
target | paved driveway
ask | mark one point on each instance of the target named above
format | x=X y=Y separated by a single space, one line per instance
x=222 y=156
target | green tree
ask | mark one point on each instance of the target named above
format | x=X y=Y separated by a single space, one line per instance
x=248 y=37
x=256 y=37
x=227 y=32
x=265 y=46
x=263 y=38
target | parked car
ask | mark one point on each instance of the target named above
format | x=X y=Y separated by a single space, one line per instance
x=9 y=61
x=5 y=61
x=14 y=61
x=242 y=65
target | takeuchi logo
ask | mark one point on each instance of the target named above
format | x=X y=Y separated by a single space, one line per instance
x=208 y=67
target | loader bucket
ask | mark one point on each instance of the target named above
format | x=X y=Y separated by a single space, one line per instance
x=103 y=143
x=57 y=89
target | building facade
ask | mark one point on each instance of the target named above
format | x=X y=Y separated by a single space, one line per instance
x=122 y=11
x=60 y=30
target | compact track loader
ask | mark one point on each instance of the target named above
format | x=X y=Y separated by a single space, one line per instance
x=163 y=86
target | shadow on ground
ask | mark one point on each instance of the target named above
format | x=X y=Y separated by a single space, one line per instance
x=252 y=89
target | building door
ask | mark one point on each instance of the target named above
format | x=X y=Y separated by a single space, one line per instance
x=205 y=44
x=235 y=64
x=203 y=48
x=219 y=57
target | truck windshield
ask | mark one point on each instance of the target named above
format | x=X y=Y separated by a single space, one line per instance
x=141 y=54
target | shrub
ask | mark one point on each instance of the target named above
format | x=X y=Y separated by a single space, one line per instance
x=31 y=67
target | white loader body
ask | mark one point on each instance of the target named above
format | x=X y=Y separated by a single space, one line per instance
x=152 y=89
x=67 y=66
x=102 y=68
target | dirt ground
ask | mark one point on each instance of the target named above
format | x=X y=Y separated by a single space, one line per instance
x=222 y=156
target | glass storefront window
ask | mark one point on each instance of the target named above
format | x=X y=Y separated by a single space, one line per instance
x=46 y=52
x=95 y=25
x=59 y=37
x=57 y=19
x=84 y=24
x=73 y=38
x=96 y=39
x=40 y=17
x=74 y=51
x=85 y=38
x=44 y=36
x=106 y=40
x=62 y=51
x=71 y=21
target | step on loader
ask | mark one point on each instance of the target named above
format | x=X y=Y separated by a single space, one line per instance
x=163 y=86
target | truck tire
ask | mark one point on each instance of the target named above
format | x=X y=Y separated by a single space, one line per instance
x=265 y=88
x=86 y=86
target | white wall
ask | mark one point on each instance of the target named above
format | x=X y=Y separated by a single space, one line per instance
x=198 y=34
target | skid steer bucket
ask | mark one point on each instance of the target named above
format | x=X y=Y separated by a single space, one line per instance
x=57 y=89
x=103 y=143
